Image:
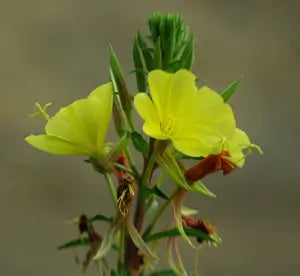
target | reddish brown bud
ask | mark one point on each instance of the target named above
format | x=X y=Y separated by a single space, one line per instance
x=210 y=164
x=125 y=190
x=198 y=224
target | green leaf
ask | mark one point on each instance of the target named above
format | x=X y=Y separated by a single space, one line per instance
x=74 y=243
x=163 y=273
x=108 y=240
x=138 y=240
x=230 y=90
x=146 y=52
x=139 y=143
x=175 y=232
x=153 y=191
x=159 y=193
x=139 y=67
x=101 y=218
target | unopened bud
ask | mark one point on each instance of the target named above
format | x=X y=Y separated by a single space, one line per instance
x=120 y=82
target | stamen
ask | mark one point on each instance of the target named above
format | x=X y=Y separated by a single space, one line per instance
x=167 y=127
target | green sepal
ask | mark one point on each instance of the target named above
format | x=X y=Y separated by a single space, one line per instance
x=169 y=163
x=199 y=188
x=146 y=52
x=106 y=163
x=231 y=89
x=139 y=67
x=139 y=143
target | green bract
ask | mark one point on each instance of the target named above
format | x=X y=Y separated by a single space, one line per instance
x=79 y=128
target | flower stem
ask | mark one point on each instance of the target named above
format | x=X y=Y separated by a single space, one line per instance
x=131 y=163
x=131 y=250
x=111 y=187
x=122 y=246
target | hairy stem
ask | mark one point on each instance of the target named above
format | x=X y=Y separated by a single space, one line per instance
x=131 y=252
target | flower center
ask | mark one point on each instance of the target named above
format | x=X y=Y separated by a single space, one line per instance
x=167 y=126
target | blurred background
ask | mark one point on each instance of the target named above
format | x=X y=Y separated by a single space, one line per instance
x=57 y=51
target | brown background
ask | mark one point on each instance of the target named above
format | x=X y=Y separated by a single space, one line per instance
x=56 y=50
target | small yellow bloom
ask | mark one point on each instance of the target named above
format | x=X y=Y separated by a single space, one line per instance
x=79 y=128
x=196 y=120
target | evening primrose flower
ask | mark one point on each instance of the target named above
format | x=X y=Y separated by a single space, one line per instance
x=195 y=120
x=79 y=128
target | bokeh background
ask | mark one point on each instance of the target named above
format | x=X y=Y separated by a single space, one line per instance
x=57 y=51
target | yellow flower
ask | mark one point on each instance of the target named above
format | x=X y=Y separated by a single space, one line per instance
x=196 y=120
x=79 y=128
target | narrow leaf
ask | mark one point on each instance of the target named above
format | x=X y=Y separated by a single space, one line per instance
x=139 y=67
x=138 y=240
x=175 y=232
x=101 y=218
x=153 y=191
x=108 y=240
x=139 y=143
x=146 y=52
x=160 y=193
x=230 y=90
x=74 y=243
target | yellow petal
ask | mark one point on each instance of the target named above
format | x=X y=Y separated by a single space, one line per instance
x=146 y=108
x=182 y=92
x=193 y=147
x=154 y=131
x=159 y=85
x=85 y=122
x=55 y=145
x=214 y=113
x=236 y=144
